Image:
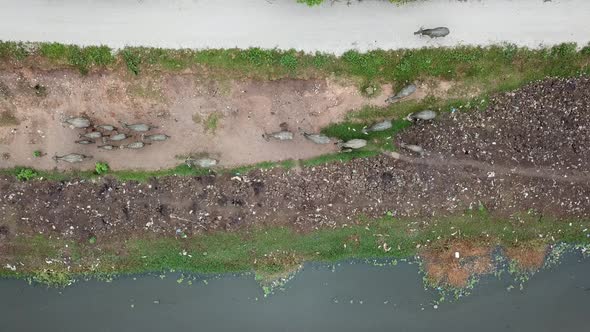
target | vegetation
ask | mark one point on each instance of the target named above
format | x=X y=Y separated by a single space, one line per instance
x=37 y=153
x=82 y=58
x=273 y=250
x=212 y=122
x=496 y=66
x=101 y=168
x=26 y=174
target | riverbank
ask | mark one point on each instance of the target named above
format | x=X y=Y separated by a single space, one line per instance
x=513 y=189
x=220 y=103
x=498 y=169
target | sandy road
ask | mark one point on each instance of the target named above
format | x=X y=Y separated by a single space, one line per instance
x=335 y=27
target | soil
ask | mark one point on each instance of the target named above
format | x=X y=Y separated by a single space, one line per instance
x=545 y=124
x=527 y=258
x=456 y=262
x=35 y=103
x=509 y=169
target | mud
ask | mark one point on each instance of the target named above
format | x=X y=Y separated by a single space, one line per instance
x=545 y=124
x=222 y=119
x=335 y=194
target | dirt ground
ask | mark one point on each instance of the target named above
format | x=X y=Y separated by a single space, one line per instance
x=509 y=171
x=222 y=119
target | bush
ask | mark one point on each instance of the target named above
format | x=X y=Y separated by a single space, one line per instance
x=101 y=168
x=289 y=61
x=26 y=174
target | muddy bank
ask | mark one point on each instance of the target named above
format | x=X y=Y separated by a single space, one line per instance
x=526 y=152
x=223 y=119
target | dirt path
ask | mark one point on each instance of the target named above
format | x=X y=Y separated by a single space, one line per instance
x=494 y=170
x=334 y=27
x=222 y=119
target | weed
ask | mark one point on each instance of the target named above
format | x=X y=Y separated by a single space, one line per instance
x=132 y=60
x=37 y=153
x=101 y=168
x=26 y=174
x=212 y=122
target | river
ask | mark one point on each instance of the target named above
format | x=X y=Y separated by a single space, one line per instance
x=342 y=297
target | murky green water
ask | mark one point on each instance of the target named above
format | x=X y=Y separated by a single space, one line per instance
x=346 y=297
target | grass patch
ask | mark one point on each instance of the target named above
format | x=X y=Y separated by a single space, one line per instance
x=211 y=122
x=8 y=119
x=82 y=58
x=26 y=174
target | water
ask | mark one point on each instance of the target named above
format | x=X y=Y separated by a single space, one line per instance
x=348 y=297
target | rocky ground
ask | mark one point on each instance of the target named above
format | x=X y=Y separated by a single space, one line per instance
x=528 y=150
